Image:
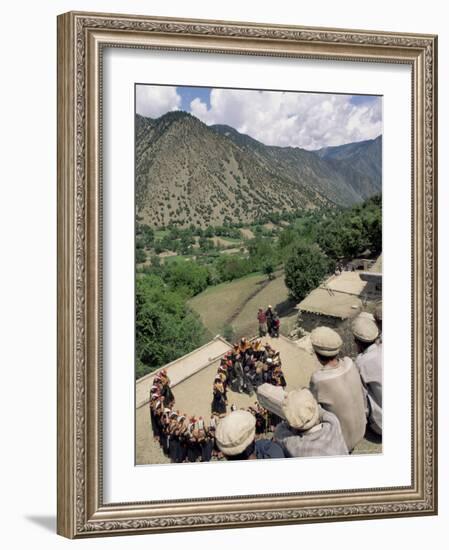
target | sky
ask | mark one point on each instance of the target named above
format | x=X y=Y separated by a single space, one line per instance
x=287 y=119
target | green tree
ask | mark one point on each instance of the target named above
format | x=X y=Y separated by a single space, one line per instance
x=261 y=251
x=166 y=328
x=140 y=256
x=232 y=267
x=188 y=278
x=268 y=269
x=146 y=233
x=305 y=269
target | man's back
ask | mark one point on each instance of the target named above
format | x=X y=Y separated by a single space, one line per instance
x=369 y=364
x=339 y=390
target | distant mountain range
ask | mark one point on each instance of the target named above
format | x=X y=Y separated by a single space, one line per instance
x=188 y=172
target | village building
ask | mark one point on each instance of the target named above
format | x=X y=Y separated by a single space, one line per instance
x=341 y=298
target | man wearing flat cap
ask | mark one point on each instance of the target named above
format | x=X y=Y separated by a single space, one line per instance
x=235 y=437
x=369 y=364
x=309 y=430
x=378 y=320
x=337 y=385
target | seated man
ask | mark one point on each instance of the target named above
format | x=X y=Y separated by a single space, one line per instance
x=235 y=437
x=378 y=320
x=309 y=430
x=369 y=363
x=337 y=385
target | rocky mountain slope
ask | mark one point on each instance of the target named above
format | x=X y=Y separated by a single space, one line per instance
x=190 y=173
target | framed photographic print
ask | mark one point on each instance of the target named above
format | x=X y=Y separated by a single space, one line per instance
x=246 y=274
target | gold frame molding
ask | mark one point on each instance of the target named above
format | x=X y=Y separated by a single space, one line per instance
x=81 y=37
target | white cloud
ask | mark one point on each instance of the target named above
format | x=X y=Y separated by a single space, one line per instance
x=154 y=101
x=304 y=120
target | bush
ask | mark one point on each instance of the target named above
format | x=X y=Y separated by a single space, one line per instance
x=229 y=333
x=305 y=269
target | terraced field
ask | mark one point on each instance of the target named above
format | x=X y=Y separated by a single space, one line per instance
x=236 y=304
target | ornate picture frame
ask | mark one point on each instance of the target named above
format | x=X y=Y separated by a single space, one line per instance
x=82 y=511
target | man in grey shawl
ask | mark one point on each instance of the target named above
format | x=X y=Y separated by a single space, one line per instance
x=369 y=363
x=309 y=430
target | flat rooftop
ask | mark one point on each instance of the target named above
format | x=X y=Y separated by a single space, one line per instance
x=337 y=297
x=183 y=367
x=340 y=295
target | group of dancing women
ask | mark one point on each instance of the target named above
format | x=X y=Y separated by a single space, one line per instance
x=185 y=438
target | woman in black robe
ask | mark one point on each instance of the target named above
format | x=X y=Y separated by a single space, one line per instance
x=173 y=442
x=218 y=406
x=206 y=441
x=193 y=446
x=164 y=439
x=166 y=392
x=182 y=439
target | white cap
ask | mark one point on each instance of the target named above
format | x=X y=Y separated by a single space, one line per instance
x=325 y=341
x=365 y=329
x=235 y=432
x=301 y=409
x=366 y=315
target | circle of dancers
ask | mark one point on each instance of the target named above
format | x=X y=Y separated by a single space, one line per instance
x=342 y=404
x=185 y=438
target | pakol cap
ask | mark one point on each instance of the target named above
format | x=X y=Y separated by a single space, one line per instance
x=301 y=409
x=235 y=432
x=366 y=315
x=365 y=329
x=325 y=341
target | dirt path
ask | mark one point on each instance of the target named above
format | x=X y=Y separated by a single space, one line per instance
x=242 y=306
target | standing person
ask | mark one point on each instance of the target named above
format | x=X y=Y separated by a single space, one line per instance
x=173 y=433
x=223 y=374
x=259 y=378
x=235 y=436
x=156 y=411
x=258 y=350
x=369 y=363
x=193 y=447
x=276 y=324
x=268 y=373
x=166 y=389
x=182 y=435
x=337 y=385
x=308 y=430
x=164 y=437
x=262 y=319
x=218 y=406
x=269 y=317
x=206 y=442
x=238 y=378
x=278 y=378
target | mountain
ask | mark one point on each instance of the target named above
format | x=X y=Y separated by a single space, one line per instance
x=188 y=172
x=365 y=160
x=329 y=171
